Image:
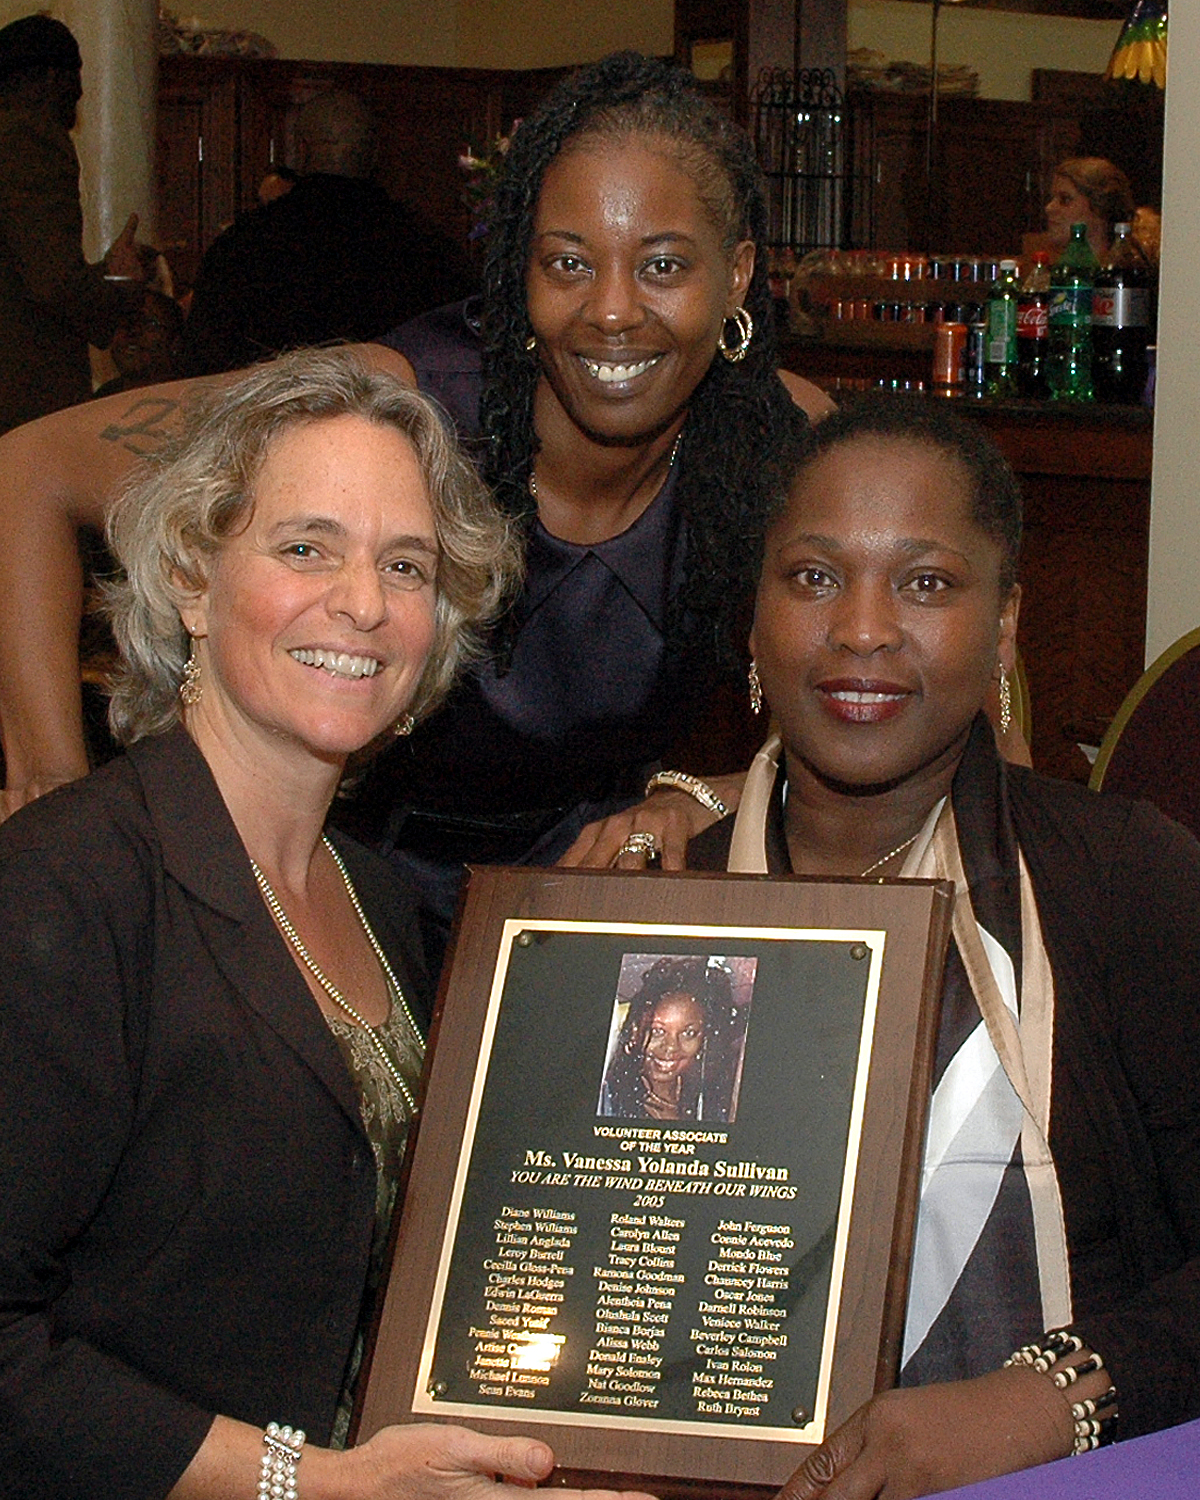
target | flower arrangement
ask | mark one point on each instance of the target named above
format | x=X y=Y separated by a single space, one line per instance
x=482 y=166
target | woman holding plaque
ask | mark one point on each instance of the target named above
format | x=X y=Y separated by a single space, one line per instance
x=1061 y=1188
x=210 y=1012
x=677 y=1053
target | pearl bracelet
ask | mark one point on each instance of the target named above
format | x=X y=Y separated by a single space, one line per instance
x=681 y=781
x=278 y=1478
x=1091 y=1429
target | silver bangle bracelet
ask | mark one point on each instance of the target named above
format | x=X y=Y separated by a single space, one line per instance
x=277 y=1481
x=681 y=781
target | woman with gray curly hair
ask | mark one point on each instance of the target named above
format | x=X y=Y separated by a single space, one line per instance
x=212 y=1012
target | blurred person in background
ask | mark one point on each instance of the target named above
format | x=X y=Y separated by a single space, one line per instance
x=331 y=258
x=1088 y=190
x=52 y=302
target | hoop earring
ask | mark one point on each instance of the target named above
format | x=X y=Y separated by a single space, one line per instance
x=745 y=326
x=191 y=689
x=530 y=344
x=756 y=694
x=1005 y=702
x=404 y=725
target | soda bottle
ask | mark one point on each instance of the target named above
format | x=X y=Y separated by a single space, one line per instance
x=1121 y=321
x=1069 y=362
x=1001 y=346
x=1033 y=314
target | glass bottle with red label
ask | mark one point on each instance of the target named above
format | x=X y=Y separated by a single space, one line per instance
x=1033 y=327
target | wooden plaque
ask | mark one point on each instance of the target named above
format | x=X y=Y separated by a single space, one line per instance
x=670 y=1298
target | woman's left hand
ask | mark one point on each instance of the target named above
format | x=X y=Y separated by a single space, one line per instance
x=914 y=1442
x=668 y=816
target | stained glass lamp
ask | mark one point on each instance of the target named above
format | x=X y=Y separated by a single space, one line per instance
x=1141 y=50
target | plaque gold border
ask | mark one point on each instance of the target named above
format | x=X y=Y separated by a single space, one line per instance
x=915 y=918
x=426 y=1405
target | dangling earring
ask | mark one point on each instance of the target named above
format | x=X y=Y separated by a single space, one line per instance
x=745 y=326
x=756 y=697
x=404 y=725
x=191 y=689
x=530 y=344
x=1005 y=702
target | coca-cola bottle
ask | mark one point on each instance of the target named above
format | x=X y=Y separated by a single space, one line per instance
x=1033 y=327
x=1121 y=321
x=1069 y=367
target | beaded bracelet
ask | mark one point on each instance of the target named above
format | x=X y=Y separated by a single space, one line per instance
x=278 y=1478
x=1091 y=1429
x=682 y=781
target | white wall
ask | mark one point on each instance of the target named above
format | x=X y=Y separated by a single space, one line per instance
x=548 y=33
x=433 y=33
x=1174 y=602
x=1001 y=46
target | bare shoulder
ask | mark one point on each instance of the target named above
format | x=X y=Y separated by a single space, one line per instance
x=809 y=397
x=380 y=357
x=74 y=458
x=75 y=461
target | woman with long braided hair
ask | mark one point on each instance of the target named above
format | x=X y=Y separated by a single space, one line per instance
x=620 y=387
x=617 y=386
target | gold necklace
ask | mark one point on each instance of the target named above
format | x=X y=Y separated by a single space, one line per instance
x=285 y=926
x=899 y=849
x=533 y=489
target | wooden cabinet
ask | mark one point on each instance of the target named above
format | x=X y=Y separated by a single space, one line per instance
x=991 y=171
x=197 y=150
x=992 y=165
x=223 y=121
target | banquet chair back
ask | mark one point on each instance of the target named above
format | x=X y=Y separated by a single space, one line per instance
x=1152 y=748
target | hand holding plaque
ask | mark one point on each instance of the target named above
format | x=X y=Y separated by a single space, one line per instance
x=936 y=1437
x=437 y=1462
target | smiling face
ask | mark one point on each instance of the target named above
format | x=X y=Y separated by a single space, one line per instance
x=628 y=286
x=881 y=619
x=318 y=616
x=1068 y=206
x=673 y=1041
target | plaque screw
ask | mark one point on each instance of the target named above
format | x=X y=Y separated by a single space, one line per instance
x=438 y=1388
x=858 y=950
x=524 y=939
x=799 y=1416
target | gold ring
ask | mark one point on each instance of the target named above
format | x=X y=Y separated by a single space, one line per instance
x=641 y=843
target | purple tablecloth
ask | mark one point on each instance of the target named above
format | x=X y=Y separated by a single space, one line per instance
x=1165 y=1466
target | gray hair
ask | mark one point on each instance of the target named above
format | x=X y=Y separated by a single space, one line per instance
x=169 y=526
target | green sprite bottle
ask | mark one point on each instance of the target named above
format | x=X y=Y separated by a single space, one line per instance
x=1069 y=357
x=1000 y=341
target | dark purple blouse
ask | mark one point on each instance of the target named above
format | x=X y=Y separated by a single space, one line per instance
x=589 y=700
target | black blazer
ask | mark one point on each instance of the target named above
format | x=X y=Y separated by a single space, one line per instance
x=187 y=1194
x=1118 y=896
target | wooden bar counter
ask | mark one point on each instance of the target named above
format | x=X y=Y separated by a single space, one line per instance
x=1085 y=476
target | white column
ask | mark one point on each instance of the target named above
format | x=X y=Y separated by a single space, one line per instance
x=1174 y=583
x=115 y=138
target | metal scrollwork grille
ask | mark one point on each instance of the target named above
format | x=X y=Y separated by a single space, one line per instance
x=800 y=135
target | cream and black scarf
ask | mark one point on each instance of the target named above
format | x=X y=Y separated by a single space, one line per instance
x=990 y=1267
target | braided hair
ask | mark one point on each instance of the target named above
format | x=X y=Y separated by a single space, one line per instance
x=743 y=433
x=706 y=1089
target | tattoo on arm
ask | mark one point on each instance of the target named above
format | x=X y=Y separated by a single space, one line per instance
x=133 y=430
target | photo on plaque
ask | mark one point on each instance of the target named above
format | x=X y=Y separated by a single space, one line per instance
x=677 y=1037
